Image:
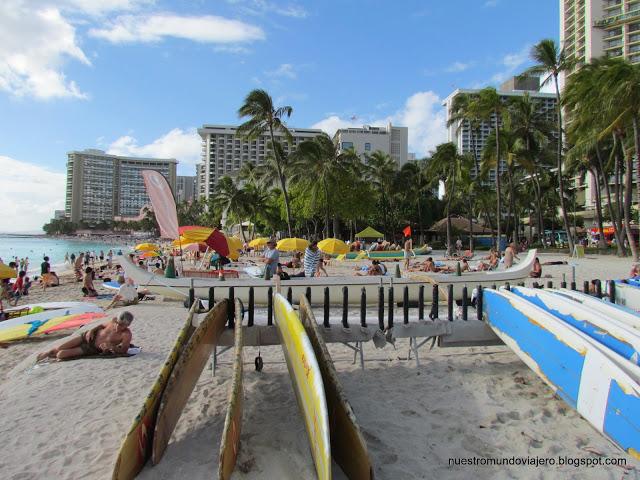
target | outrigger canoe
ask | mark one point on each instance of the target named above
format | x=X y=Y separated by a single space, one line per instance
x=178 y=288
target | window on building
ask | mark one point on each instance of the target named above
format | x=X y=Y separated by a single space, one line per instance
x=346 y=145
x=367 y=147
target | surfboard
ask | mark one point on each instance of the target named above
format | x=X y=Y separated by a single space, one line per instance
x=580 y=370
x=233 y=421
x=46 y=306
x=136 y=446
x=623 y=314
x=611 y=333
x=185 y=374
x=307 y=383
x=348 y=446
x=49 y=314
x=628 y=295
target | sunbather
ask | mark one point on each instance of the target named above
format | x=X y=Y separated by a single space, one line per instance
x=113 y=337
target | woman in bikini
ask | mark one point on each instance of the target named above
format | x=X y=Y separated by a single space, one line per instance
x=113 y=337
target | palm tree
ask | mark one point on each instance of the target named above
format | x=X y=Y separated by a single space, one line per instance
x=490 y=107
x=465 y=113
x=320 y=164
x=232 y=201
x=552 y=61
x=264 y=117
x=381 y=170
x=445 y=166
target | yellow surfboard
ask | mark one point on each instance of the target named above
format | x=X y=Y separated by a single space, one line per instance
x=348 y=445
x=233 y=421
x=136 y=446
x=307 y=383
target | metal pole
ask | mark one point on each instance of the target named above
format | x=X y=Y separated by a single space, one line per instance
x=251 y=307
x=232 y=309
x=381 y=307
x=192 y=297
x=308 y=294
x=598 y=288
x=326 y=322
x=479 y=303
x=345 y=306
x=405 y=304
x=435 y=303
x=585 y=287
x=450 y=302
x=363 y=307
x=612 y=291
x=289 y=295
x=573 y=286
x=421 y=303
x=507 y=287
x=212 y=297
x=464 y=304
x=550 y=284
x=270 y=306
x=390 y=318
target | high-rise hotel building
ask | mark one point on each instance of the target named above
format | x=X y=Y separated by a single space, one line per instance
x=467 y=141
x=390 y=139
x=593 y=28
x=224 y=152
x=102 y=186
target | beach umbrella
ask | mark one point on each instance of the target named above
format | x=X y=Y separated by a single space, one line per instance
x=333 y=246
x=215 y=240
x=146 y=247
x=149 y=255
x=258 y=242
x=292 y=244
x=369 y=233
x=235 y=245
x=7 y=272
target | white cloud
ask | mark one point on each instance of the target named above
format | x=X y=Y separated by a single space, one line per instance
x=512 y=63
x=262 y=7
x=183 y=145
x=458 y=67
x=35 y=42
x=284 y=70
x=99 y=7
x=422 y=113
x=29 y=194
x=153 y=28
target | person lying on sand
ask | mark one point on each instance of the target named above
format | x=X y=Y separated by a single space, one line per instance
x=112 y=337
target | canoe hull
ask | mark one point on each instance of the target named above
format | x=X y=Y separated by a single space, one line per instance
x=628 y=295
x=581 y=371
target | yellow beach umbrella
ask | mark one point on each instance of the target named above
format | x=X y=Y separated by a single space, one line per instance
x=7 y=272
x=235 y=244
x=149 y=255
x=333 y=246
x=258 y=242
x=292 y=244
x=146 y=247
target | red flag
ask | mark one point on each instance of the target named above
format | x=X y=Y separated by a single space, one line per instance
x=407 y=231
x=164 y=205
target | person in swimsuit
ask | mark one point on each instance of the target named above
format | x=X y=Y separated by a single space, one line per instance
x=112 y=337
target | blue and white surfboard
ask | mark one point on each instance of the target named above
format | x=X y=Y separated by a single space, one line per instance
x=610 y=332
x=580 y=370
x=629 y=317
x=628 y=294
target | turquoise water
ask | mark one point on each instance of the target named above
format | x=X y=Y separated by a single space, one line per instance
x=36 y=247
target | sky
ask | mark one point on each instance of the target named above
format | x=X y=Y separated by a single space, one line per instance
x=138 y=77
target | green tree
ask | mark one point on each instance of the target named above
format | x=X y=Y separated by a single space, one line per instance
x=266 y=118
x=553 y=61
x=380 y=170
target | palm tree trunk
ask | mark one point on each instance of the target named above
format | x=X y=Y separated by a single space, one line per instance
x=281 y=178
x=563 y=207
x=539 y=207
x=628 y=185
x=419 y=222
x=326 y=211
x=636 y=142
x=498 y=191
x=470 y=228
x=613 y=212
x=601 y=243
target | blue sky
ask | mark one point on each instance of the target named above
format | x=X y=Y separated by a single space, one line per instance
x=137 y=77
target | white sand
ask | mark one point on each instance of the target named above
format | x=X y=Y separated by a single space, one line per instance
x=66 y=420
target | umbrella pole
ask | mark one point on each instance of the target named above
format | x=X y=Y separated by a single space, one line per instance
x=203 y=257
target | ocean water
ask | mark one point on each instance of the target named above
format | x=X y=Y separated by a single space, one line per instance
x=36 y=247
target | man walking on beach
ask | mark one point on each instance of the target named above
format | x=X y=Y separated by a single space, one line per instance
x=408 y=248
x=271 y=258
x=312 y=257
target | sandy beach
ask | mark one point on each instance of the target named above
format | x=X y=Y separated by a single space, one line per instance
x=66 y=420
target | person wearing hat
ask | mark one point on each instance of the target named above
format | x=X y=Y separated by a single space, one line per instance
x=271 y=258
